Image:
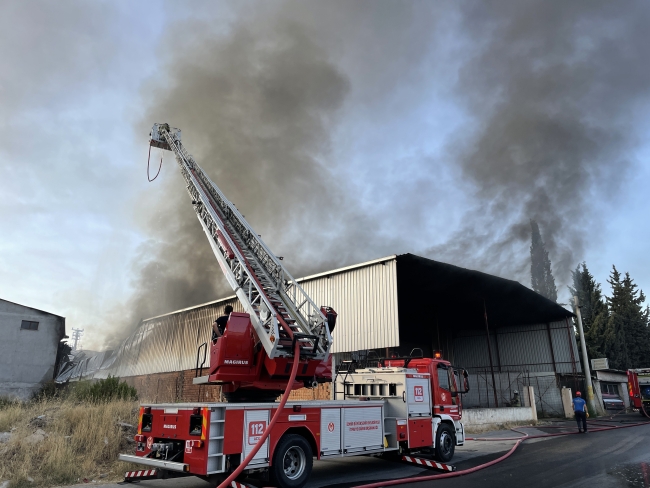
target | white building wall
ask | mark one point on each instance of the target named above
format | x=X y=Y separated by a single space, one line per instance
x=365 y=298
x=27 y=357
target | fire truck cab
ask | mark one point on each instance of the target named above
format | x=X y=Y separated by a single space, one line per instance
x=424 y=391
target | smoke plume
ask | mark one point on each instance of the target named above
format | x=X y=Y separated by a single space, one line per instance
x=554 y=91
x=547 y=94
x=256 y=108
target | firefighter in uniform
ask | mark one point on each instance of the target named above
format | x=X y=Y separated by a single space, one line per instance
x=580 y=409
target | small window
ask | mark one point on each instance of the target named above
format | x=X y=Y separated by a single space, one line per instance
x=29 y=325
x=443 y=377
x=609 y=388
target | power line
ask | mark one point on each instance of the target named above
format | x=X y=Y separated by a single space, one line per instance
x=76 y=335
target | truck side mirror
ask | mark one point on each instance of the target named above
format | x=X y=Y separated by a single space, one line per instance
x=465 y=381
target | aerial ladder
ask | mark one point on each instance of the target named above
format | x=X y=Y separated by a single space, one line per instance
x=253 y=358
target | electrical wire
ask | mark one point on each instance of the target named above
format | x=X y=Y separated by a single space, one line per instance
x=267 y=431
x=159 y=167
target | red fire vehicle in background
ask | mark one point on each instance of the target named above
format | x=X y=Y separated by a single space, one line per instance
x=638 y=387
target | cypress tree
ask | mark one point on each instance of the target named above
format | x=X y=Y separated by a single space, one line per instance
x=592 y=309
x=596 y=346
x=541 y=277
x=626 y=335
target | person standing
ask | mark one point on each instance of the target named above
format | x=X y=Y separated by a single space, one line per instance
x=219 y=326
x=580 y=409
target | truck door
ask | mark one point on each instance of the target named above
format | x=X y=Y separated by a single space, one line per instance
x=455 y=390
x=417 y=395
x=255 y=422
x=444 y=402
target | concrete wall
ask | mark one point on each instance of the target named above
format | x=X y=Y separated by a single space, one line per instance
x=27 y=357
x=567 y=402
x=478 y=418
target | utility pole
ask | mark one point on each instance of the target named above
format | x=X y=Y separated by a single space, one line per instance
x=487 y=335
x=585 y=359
x=76 y=335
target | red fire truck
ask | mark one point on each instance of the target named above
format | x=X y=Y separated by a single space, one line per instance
x=638 y=386
x=397 y=406
x=401 y=406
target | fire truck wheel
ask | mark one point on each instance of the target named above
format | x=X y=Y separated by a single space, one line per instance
x=292 y=462
x=645 y=410
x=445 y=443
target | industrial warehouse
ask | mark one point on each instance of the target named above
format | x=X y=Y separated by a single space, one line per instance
x=388 y=306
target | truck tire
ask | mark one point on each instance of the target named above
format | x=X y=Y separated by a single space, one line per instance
x=445 y=443
x=292 y=462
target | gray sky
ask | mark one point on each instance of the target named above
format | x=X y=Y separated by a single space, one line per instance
x=344 y=131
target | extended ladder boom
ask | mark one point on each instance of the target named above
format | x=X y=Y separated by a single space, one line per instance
x=280 y=310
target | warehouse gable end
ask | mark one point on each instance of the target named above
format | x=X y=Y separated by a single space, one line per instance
x=28 y=351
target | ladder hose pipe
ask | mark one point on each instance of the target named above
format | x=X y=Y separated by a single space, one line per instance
x=159 y=167
x=267 y=431
x=519 y=440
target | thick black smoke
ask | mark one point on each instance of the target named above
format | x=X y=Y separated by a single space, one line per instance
x=554 y=91
x=256 y=108
x=550 y=94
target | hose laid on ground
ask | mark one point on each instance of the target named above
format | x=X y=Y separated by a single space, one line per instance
x=519 y=440
x=267 y=431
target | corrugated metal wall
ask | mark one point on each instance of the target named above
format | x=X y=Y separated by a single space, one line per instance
x=365 y=299
x=169 y=342
x=517 y=349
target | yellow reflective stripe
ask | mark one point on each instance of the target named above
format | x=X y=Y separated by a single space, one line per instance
x=205 y=423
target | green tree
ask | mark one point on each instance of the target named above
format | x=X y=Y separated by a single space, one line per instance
x=626 y=338
x=592 y=309
x=541 y=276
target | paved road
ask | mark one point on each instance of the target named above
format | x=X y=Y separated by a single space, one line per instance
x=618 y=458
